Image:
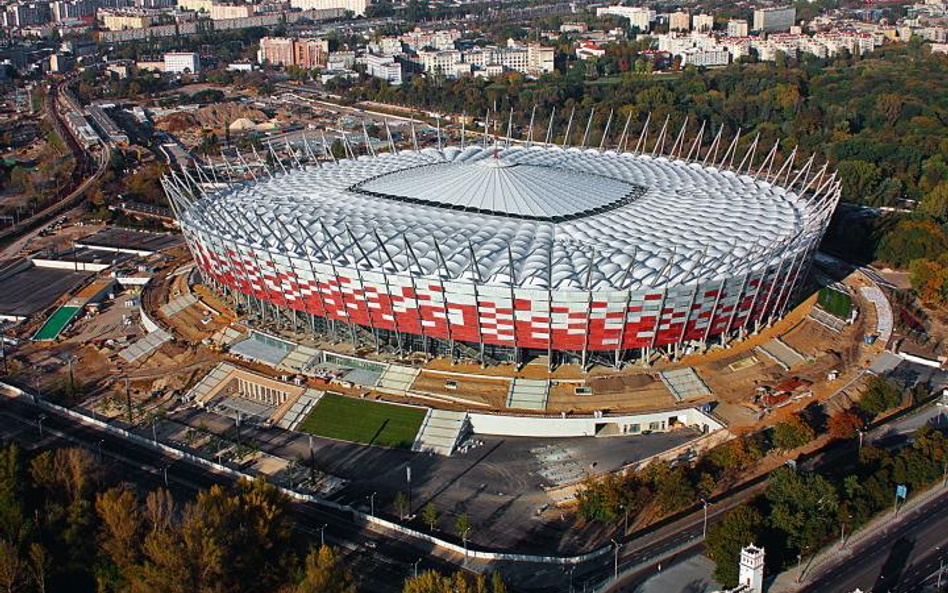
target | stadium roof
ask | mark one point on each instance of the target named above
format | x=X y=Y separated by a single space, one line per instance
x=543 y=217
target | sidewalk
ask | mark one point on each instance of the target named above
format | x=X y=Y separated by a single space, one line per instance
x=831 y=555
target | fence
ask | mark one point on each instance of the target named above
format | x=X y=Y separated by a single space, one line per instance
x=357 y=515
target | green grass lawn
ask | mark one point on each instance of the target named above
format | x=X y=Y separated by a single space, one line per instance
x=364 y=421
x=835 y=302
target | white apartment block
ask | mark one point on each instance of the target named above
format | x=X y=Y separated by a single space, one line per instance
x=532 y=59
x=708 y=58
x=231 y=11
x=182 y=62
x=386 y=46
x=702 y=23
x=679 y=21
x=384 y=67
x=737 y=28
x=639 y=17
x=357 y=7
x=774 y=19
x=441 y=40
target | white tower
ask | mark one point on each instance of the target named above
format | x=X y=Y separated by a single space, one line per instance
x=751 y=578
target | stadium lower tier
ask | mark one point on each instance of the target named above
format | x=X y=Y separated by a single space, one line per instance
x=518 y=318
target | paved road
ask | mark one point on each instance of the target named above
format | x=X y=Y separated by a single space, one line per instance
x=900 y=559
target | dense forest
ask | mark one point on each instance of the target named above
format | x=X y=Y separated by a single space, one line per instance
x=66 y=524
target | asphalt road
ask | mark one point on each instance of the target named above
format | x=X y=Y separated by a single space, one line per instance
x=902 y=559
x=380 y=562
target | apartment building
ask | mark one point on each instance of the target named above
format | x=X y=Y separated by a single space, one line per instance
x=357 y=7
x=639 y=17
x=774 y=19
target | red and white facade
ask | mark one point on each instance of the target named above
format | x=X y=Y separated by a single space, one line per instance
x=593 y=253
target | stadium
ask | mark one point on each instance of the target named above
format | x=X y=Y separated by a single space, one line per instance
x=511 y=251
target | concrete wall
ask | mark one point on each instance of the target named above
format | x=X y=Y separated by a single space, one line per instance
x=532 y=426
x=69 y=265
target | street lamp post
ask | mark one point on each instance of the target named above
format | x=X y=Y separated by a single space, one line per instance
x=571 y=569
x=704 y=524
x=165 y=472
x=616 y=563
x=322 y=538
x=99 y=448
x=464 y=539
x=417 y=562
x=372 y=504
x=39 y=422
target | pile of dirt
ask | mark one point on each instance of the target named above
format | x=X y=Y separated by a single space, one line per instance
x=177 y=122
x=214 y=117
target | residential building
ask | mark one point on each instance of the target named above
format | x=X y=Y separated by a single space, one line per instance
x=574 y=27
x=774 y=19
x=540 y=59
x=702 y=23
x=440 y=61
x=705 y=57
x=737 y=28
x=639 y=17
x=128 y=18
x=589 y=49
x=27 y=15
x=386 y=46
x=418 y=40
x=341 y=60
x=384 y=67
x=231 y=11
x=357 y=7
x=310 y=53
x=182 y=62
x=196 y=5
x=277 y=51
x=679 y=21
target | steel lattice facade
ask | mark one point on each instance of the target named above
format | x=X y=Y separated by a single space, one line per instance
x=505 y=266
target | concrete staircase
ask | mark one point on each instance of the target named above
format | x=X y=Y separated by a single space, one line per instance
x=530 y=394
x=300 y=409
x=397 y=379
x=441 y=431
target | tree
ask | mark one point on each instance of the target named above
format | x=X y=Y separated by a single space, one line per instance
x=324 y=573
x=461 y=525
x=120 y=536
x=912 y=239
x=880 y=396
x=430 y=516
x=802 y=506
x=401 y=505
x=844 y=424
x=673 y=488
x=460 y=582
x=12 y=571
x=739 y=528
x=935 y=202
x=792 y=433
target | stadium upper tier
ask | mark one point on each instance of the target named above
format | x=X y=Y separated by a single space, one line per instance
x=537 y=217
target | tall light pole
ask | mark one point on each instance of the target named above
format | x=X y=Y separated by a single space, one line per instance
x=464 y=539
x=372 y=504
x=616 y=563
x=417 y=562
x=571 y=569
x=39 y=422
x=322 y=538
x=704 y=525
x=99 y=447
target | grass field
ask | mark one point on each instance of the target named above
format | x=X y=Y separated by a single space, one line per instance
x=56 y=323
x=362 y=421
x=835 y=302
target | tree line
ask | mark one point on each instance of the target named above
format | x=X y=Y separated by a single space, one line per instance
x=67 y=524
x=662 y=489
